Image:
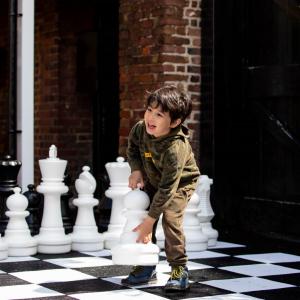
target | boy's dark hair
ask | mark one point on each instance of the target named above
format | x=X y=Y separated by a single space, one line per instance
x=171 y=99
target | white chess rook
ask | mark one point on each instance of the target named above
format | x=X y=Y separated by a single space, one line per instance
x=85 y=236
x=52 y=238
x=206 y=213
x=17 y=234
x=118 y=173
x=129 y=252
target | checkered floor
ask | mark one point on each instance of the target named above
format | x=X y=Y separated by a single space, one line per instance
x=227 y=271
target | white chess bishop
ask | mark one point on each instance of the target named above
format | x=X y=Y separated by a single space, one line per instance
x=118 y=173
x=52 y=238
x=85 y=236
x=128 y=251
x=17 y=234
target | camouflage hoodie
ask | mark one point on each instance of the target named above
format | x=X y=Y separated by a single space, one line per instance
x=167 y=162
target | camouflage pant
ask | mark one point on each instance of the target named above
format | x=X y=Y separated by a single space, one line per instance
x=172 y=224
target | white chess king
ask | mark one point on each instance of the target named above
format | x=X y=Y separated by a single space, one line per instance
x=129 y=252
x=52 y=237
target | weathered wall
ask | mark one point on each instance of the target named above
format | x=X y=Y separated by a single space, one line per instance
x=159 y=43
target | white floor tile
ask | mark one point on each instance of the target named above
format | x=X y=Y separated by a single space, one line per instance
x=161 y=280
x=205 y=254
x=225 y=297
x=163 y=266
x=80 y=262
x=17 y=259
x=275 y=257
x=200 y=254
x=53 y=275
x=127 y=294
x=225 y=245
x=103 y=252
x=247 y=284
x=31 y=291
x=260 y=270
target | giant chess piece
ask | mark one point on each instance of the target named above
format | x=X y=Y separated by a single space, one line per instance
x=159 y=234
x=196 y=240
x=9 y=169
x=34 y=208
x=118 y=173
x=52 y=237
x=85 y=236
x=65 y=206
x=129 y=252
x=3 y=249
x=17 y=233
x=206 y=213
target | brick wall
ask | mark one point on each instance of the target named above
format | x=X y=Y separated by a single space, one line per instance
x=159 y=43
x=4 y=77
x=63 y=115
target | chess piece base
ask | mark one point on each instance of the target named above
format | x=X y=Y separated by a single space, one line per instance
x=135 y=254
x=211 y=233
x=196 y=240
x=87 y=246
x=3 y=249
x=20 y=242
x=22 y=251
x=86 y=238
x=53 y=241
x=112 y=236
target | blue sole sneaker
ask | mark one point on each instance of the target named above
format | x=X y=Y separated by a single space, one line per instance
x=179 y=280
x=140 y=275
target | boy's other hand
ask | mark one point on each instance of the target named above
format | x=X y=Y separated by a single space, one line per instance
x=145 y=230
x=135 y=178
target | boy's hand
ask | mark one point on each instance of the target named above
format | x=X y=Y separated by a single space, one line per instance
x=145 y=230
x=135 y=178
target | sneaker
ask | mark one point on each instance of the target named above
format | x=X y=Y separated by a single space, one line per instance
x=140 y=275
x=179 y=279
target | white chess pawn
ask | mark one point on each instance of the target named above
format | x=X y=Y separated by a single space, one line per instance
x=52 y=238
x=129 y=252
x=196 y=240
x=85 y=236
x=17 y=234
x=118 y=173
x=206 y=213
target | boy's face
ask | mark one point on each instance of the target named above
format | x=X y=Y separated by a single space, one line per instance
x=158 y=122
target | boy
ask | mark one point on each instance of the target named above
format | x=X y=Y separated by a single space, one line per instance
x=162 y=162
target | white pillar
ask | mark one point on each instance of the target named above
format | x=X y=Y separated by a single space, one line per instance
x=25 y=92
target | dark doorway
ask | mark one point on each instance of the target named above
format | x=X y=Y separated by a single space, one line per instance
x=255 y=153
x=90 y=29
x=98 y=77
x=106 y=105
